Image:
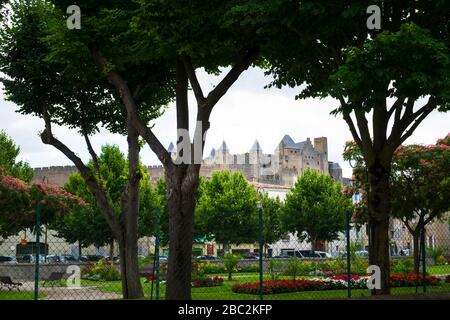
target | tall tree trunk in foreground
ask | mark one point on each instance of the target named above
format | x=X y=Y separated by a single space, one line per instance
x=181 y=207
x=379 y=209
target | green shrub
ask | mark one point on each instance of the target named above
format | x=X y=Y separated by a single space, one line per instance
x=249 y=268
x=359 y=266
x=333 y=267
x=295 y=267
x=101 y=271
x=437 y=254
x=230 y=262
x=274 y=268
x=212 y=268
x=403 y=266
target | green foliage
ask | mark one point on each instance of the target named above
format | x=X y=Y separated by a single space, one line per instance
x=296 y=267
x=272 y=211
x=227 y=208
x=249 y=268
x=403 y=266
x=437 y=254
x=315 y=208
x=274 y=268
x=101 y=271
x=9 y=165
x=230 y=262
x=89 y=227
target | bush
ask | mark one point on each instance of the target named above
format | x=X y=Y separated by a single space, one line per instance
x=436 y=254
x=249 y=268
x=295 y=267
x=333 y=267
x=212 y=268
x=101 y=271
x=447 y=279
x=403 y=266
x=230 y=262
x=274 y=268
x=359 y=266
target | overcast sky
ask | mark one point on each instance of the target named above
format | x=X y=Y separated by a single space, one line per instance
x=247 y=112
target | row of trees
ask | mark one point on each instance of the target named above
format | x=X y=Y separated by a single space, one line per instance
x=129 y=60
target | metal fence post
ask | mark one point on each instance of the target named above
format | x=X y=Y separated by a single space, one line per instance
x=38 y=250
x=157 y=236
x=424 y=259
x=261 y=248
x=347 y=235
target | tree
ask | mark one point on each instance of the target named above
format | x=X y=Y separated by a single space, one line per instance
x=272 y=212
x=132 y=42
x=226 y=209
x=48 y=74
x=20 y=200
x=368 y=72
x=419 y=185
x=8 y=160
x=91 y=228
x=230 y=262
x=315 y=208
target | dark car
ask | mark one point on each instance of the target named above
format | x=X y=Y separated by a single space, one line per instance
x=8 y=260
x=251 y=255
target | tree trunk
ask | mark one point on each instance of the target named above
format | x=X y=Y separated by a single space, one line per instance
x=182 y=183
x=130 y=210
x=111 y=250
x=416 y=253
x=379 y=210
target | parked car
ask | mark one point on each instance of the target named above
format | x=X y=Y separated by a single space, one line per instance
x=206 y=258
x=93 y=258
x=251 y=255
x=362 y=253
x=163 y=258
x=300 y=254
x=31 y=258
x=52 y=259
x=68 y=259
x=8 y=260
x=323 y=254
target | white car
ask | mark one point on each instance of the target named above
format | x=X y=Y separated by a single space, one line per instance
x=324 y=254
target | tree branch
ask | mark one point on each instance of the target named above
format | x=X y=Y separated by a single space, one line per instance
x=244 y=61
x=92 y=153
x=193 y=80
x=121 y=86
x=48 y=138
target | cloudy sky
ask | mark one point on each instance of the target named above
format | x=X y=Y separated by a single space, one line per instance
x=246 y=113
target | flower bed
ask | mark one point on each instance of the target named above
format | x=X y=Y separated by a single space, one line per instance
x=330 y=283
x=207 y=282
x=409 y=280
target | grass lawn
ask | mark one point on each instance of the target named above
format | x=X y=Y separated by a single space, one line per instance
x=15 y=295
x=224 y=292
x=444 y=269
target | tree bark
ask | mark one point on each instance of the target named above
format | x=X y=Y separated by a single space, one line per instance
x=129 y=220
x=181 y=187
x=111 y=250
x=416 y=252
x=379 y=209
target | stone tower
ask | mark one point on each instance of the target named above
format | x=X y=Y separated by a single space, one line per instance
x=321 y=145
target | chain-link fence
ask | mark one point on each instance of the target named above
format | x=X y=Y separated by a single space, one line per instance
x=291 y=268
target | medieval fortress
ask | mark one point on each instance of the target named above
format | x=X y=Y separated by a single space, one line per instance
x=289 y=160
